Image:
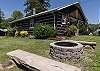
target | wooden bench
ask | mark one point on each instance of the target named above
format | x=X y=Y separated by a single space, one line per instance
x=91 y=44
x=39 y=63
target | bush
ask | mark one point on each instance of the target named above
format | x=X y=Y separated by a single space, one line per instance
x=43 y=31
x=71 y=30
x=23 y=33
x=11 y=32
x=82 y=28
x=4 y=25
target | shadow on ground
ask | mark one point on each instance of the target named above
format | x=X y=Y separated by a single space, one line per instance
x=25 y=67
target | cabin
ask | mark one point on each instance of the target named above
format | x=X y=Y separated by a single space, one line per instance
x=58 y=18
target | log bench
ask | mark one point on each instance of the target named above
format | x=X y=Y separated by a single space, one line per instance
x=91 y=44
x=39 y=63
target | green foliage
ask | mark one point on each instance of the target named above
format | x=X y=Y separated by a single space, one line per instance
x=39 y=5
x=17 y=14
x=43 y=31
x=4 y=24
x=11 y=31
x=73 y=28
x=82 y=28
x=23 y=33
x=93 y=27
x=9 y=19
x=1 y=15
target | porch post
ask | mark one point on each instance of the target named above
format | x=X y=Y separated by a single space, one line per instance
x=54 y=25
x=78 y=27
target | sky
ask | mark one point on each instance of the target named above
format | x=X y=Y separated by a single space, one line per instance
x=90 y=8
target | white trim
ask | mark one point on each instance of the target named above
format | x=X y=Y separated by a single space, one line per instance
x=68 y=6
x=54 y=22
x=33 y=15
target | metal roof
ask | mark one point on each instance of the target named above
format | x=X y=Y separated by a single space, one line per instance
x=4 y=30
x=52 y=10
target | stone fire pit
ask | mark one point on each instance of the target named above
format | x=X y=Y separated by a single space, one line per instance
x=66 y=49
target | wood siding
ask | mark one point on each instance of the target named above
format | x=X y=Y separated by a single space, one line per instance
x=72 y=14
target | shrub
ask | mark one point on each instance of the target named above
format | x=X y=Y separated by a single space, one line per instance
x=71 y=30
x=4 y=24
x=82 y=28
x=23 y=33
x=11 y=32
x=43 y=31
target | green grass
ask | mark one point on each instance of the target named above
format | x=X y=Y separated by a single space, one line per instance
x=93 y=65
x=41 y=47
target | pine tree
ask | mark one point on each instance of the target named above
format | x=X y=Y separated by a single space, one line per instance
x=1 y=15
x=36 y=5
x=17 y=15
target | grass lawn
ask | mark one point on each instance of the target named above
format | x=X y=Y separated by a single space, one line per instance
x=41 y=47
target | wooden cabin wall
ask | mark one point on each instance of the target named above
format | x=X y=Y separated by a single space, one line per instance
x=45 y=18
x=72 y=15
x=22 y=25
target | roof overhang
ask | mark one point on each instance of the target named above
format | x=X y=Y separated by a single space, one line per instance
x=51 y=11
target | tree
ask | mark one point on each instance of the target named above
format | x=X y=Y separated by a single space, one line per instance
x=82 y=28
x=9 y=19
x=36 y=5
x=17 y=14
x=4 y=24
x=1 y=15
x=93 y=27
